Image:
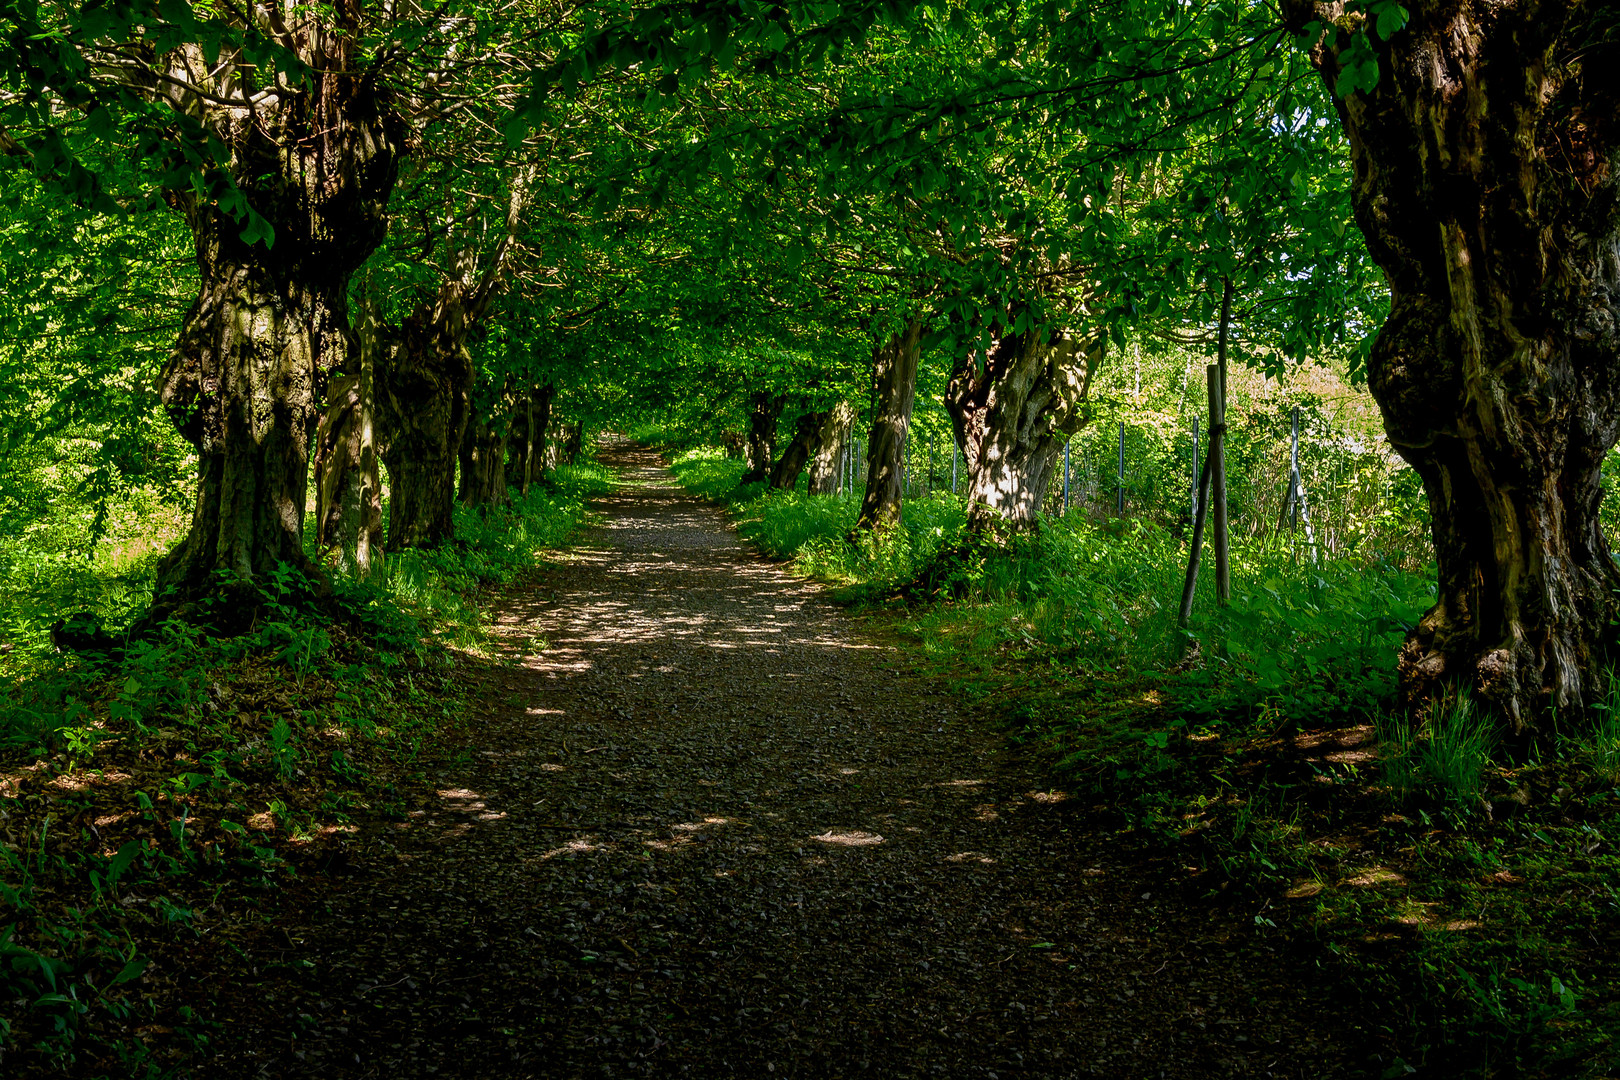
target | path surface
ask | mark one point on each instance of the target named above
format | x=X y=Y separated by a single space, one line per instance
x=713 y=832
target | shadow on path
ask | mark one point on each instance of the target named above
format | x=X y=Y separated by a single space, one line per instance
x=708 y=830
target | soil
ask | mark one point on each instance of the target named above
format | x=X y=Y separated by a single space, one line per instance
x=709 y=825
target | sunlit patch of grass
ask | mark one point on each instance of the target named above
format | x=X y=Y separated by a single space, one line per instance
x=1443 y=757
x=708 y=473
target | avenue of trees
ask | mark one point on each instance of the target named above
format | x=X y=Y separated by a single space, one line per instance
x=383 y=248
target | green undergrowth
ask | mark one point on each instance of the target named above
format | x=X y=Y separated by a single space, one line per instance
x=813 y=530
x=158 y=793
x=1466 y=890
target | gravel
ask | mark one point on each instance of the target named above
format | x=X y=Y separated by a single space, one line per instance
x=712 y=828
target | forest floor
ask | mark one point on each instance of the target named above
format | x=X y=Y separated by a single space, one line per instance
x=706 y=823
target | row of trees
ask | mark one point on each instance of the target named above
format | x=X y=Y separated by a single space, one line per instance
x=780 y=210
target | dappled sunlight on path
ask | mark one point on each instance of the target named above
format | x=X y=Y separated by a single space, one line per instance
x=708 y=829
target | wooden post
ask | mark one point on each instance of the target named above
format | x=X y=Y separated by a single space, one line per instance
x=1293 y=470
x=1065 y=480
x=1119 y=501
x=1217 y=457
x=1193 y=480
x=1200 y=512
x=1217 y=448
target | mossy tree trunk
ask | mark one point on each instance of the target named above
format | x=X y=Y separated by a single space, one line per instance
x=426 y=387
x=348 y=494
x=765 y=410
x=1013 y=408
x=247 y=377
x=799 y=450
x=831 y=441
x=1485 y=182
x=526 y=446
x=894 y=387
x=483 y=463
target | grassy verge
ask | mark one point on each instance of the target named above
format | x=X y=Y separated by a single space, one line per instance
x=1469 y=898
x=168 y=788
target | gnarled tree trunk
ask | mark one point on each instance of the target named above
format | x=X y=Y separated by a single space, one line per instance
x=566 y=447
x=1485 y=184
x=894 y=387
x=765 y=409
x=423 y=398
x=830 y=443
x=1013 y=409
x=527 y=442
x=806 y=430
x=483 y=463
x=425 y=390
x=246 y=379
x=348 y=493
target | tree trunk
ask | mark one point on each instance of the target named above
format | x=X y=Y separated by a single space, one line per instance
x=425 y=390
x=423 y=403
x=483 y=464
x=1485 y=184
x=565 y=448
x=766 y=410
x=806 y=430
x=246 y=379
x=348 y=490
x=830 y=443
x=1012 y=413
x=894 y=384
x=526 y=456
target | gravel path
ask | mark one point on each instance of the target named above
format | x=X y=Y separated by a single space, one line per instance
x=708 y=829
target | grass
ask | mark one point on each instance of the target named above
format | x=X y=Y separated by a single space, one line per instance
x=1444 y=756
x=162 y=794
x=1467 y=899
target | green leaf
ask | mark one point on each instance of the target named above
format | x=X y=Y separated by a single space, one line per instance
x=131 y=970
x=258 y=229
x=121 y=861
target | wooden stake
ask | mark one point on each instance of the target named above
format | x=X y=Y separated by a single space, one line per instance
x=1217 y=449
x=1200 y=512
x=1119 y=501
x=1193 y=505
x=1065 y=480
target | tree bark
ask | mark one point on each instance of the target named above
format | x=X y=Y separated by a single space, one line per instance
x=348 y=492
x=566 y=447
x=1012 y=410
x=425 y=389
x=765 y=409
x=423 y=404
x=894 y=387
x=830 y=443
x=806 y=430
x=527 y=443
x=483 y=464
x=1485 y=184
x=247 y=375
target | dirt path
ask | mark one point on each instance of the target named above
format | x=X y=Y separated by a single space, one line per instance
x=714 y=833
